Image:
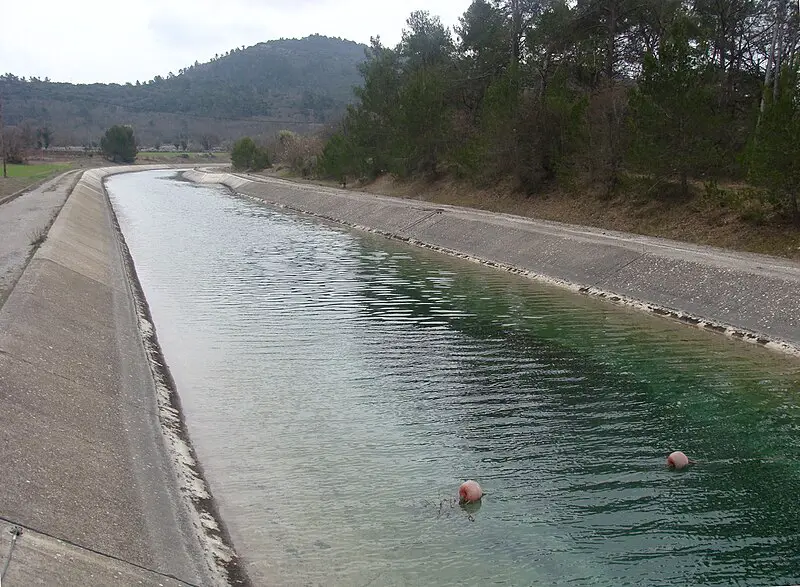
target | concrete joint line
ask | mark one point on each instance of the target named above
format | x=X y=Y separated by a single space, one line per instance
x=619 y=269
x=421 y=220
x=17 y=531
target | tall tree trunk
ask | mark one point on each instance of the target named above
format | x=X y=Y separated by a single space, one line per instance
x=779 y=48
x=516 y=31
x=612 y=117
x=611 y=9
x=770 y=64
x=2 y=139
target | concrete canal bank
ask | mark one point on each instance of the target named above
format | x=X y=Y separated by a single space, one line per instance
x=99 y=485
x=752 y=297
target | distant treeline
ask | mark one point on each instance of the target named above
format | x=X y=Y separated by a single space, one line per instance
x=554 y=93
x=283 y=83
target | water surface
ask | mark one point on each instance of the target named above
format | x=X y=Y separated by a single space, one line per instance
x=338 y=387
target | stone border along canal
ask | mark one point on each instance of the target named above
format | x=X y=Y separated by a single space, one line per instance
x=99 y=475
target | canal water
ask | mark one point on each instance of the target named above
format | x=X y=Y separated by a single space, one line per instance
x=338 y=387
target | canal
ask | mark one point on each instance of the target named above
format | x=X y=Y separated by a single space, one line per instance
x=338 y=387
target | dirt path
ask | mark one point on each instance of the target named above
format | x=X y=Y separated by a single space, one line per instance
x=25 y=220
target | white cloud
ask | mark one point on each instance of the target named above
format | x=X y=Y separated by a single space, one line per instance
x=94 y=40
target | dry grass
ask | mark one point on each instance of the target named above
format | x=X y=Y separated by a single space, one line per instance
x=39 y=236
x=11 y=185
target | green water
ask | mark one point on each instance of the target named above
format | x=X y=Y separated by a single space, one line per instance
x=338 y=388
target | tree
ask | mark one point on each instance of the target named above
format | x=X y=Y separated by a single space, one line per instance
x=119 y=144
x=44 y=136
x=339 y=159
x=484 y=41
x=426 y=42
x=673 y=110
x=209 y=141
x=247 y=156
x=775 y=155
x=519 y=15
x=17 y=140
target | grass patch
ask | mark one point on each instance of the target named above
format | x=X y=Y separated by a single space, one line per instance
x=35 y=171
x=38 y=237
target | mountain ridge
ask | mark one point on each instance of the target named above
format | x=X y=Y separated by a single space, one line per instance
x=299 y=84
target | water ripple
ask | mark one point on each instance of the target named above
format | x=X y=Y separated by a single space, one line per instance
x=339 y=387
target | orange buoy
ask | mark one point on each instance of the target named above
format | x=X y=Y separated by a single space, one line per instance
x=469 y=492
x=677 y=460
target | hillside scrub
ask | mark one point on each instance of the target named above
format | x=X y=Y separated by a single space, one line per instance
x=592 y=98
x=298 y=153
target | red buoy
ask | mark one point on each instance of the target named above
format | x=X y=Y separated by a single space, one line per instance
x=677 y=460
x=469 y=492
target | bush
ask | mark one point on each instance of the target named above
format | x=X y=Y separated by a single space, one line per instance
x=119 y=144
x=753 y=205
x=338 y=159
x=299 y=153
x=247 y=156
x=775 y=151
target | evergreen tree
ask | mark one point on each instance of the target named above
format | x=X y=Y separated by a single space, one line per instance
x=775 y=154
x=673 y=111
x=119 y=144
x=247 y=156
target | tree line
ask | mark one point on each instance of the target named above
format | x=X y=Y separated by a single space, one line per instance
x=585 y=92
x=308 y=80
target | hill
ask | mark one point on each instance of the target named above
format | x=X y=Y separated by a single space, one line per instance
x=298 y=84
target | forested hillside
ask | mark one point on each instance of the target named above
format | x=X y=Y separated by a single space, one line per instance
x=295 y=84
x=591 y=96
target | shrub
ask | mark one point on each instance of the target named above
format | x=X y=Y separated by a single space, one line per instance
x=247 y=156
x=298 y=152
x=119 y=144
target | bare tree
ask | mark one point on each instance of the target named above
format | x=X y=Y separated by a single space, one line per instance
x=2 y=139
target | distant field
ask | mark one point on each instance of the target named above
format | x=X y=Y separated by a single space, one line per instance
x=36 y=171
x=22 y=176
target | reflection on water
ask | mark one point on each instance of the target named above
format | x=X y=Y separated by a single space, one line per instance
x=338 y=388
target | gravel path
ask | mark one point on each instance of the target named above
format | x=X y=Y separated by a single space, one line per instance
x=25 y=218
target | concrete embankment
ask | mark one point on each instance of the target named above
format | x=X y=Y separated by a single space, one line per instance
x=96 y=472
x=747 y=296
x=24 y=220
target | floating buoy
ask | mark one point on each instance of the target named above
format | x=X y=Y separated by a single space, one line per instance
x=677 y=460
x=469 y=492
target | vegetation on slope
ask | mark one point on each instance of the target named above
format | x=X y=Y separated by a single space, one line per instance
x=589 y=97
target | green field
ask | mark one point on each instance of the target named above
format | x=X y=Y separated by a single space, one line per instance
x=36 y=171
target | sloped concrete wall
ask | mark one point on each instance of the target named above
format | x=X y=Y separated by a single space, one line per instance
x=85 y=458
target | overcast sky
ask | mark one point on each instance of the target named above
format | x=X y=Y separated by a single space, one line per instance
x=100 y=41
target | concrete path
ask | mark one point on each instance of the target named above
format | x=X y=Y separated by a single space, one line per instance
x=84 y=468
x=25 y=218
